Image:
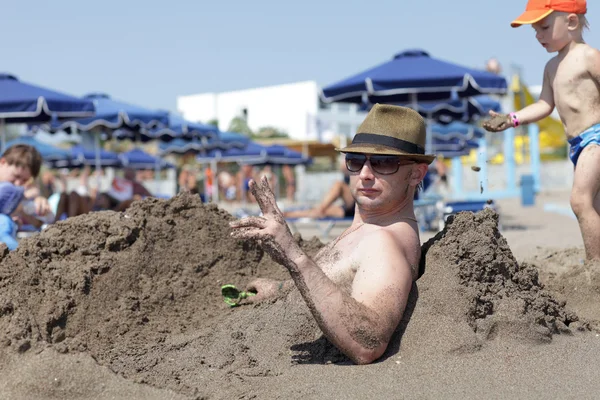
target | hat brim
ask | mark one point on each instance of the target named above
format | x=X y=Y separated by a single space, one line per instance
x=530 y=17
x=378 y=149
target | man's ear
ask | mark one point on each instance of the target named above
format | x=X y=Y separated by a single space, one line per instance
x=418 y=173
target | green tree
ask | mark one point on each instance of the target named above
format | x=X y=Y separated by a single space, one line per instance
x=239 y=125
x=271 y=132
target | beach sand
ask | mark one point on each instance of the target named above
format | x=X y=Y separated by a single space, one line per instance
x=128 y=306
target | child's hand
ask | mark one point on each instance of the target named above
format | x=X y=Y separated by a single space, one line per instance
x=498 y=122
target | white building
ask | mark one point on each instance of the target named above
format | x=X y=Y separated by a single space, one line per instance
x=294 y=108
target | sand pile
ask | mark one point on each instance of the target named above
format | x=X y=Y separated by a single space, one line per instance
x=139 y=292
x=474 y=291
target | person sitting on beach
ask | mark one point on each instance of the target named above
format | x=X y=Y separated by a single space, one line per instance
x=357 y=287
x=19 y=165
x=571 y=82
x=327 y=209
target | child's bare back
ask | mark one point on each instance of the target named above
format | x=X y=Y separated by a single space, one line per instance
x=576 y=92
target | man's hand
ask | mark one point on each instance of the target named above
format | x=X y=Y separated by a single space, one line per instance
x=498 y=122
x=264 y=289
x=270 y=230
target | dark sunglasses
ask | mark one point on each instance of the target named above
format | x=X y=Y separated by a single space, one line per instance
x=381 y=164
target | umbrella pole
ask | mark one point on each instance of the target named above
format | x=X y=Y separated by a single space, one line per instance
x=97 y=158
x=3 y=131
x=215 y=190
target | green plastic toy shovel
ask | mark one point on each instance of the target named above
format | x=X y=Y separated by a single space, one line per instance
x=232 y=295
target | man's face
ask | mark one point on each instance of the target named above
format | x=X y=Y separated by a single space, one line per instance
x=380 y=192
x=14 y=174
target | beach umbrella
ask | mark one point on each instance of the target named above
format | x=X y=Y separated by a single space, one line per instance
x=413 y=76
x=103 y=158
x=139 y=159
x=252 y=153
x=51 y=155
x=113 y=114
x=281 y=155
x=464 y=110
x=22 y=102
x=456 y=130
x=180 y=146
x=180 y=128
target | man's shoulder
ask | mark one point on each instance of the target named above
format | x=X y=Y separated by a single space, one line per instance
x=397 y=237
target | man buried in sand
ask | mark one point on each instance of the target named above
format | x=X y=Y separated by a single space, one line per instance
x=571 y=82
x=357 y=286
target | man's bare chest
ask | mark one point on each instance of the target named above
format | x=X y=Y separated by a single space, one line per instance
x=338 y=264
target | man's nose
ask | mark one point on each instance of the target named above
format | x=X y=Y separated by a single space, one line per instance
x=366 y=172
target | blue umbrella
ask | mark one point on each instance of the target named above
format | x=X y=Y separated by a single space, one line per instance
x=139 y=159
x=50 y=154
x=22 y=103
x=227 y=140
x=112 y=115
x=411 y=77
x=222 y=141
x=180 y=146
x=454 y=145
x=281 y=155
x=180 y=128
x=252 y=153
x=96 y=157
x=465 y=110
x=456 y=130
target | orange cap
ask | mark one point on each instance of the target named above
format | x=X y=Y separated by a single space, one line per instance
x=537 y=10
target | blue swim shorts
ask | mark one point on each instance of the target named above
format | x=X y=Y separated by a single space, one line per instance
x=590 y=135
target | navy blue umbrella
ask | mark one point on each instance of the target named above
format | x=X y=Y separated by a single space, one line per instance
x=51 y=155
x=456 y=130
x=139 y=159
x=180 y=128
x=103 y=158
x=181 y=146
x=23 y=103
x=411 y=77
x=252 y=153
x=281 y=155
x=227 y=140
x=112 y=115
x=465 y=110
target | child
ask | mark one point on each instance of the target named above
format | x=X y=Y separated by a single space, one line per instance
x=18 y=165
x=571 y=82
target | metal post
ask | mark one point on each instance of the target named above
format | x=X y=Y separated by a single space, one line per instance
x=534 y=155
x=509 y=161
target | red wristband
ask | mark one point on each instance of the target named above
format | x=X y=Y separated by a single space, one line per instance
x=514 y=119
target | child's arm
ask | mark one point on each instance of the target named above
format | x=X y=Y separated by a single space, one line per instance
x=532 y=113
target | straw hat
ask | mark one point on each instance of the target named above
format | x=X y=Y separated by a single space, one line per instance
x=392 y=130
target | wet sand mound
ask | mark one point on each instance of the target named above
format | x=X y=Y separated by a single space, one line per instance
x=139 y=292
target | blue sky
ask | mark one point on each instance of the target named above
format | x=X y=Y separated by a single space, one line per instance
x=149 y=52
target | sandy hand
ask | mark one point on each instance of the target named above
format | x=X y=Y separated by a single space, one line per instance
x=270 y=231
x=498 y=122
